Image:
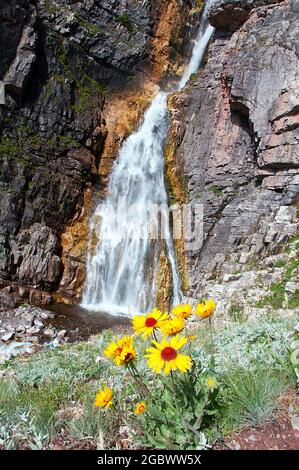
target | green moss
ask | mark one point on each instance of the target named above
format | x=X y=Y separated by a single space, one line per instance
x=10 y=148
x=293 y=301
x=58 y=78
x=68 y=141
x=86 y=87
x=281 y=263
x=62 y=141
x=51 y=8
x=125 y=20
x=62 y=57
x=236 y=185
x=216 y=190
x=86 y=93
x=91 y=28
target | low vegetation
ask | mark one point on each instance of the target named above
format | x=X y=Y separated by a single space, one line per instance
x=89 y=394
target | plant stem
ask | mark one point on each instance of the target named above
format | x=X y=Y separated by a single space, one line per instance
x=211 y=335
x=136 y=378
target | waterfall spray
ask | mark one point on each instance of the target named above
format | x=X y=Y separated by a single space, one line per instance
x=120 y=271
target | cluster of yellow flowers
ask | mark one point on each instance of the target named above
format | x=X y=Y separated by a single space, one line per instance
x=163 y=356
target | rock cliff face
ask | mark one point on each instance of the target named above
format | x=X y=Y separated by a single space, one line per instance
x=234 y=142
x=77 y=77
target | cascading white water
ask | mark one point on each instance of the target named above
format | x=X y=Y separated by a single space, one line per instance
x=119 y=274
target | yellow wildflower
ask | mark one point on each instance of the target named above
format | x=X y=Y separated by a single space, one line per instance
x=104 y=398
x=211 y=383
x=205 y=309
x=140 y=408
x=165 y=355
x=121 y=351
x=183 y=311
x=191 y=337
x=146 y=324
x=173 y=326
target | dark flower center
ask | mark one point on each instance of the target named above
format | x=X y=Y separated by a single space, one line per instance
x=150 y=322
x=128 y=357
x=168 y=353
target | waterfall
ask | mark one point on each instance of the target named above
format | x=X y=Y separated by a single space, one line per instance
x=122 y=259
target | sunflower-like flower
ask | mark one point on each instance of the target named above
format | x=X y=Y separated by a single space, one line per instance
x=173 y=326
x=165 y=355
x=146 y=324
x=206 y=308
x=182 y=311
x=121 y=351
x=140 y=408
x=104 y=398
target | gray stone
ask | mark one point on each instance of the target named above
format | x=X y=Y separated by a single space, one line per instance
x=33 y=330
x=231 y=277
x=28 y=317
x=8 y=336
x=295 y=423
x=61 y=334
x=30 y=339
x=49 y=332
x=291 y=287
x=18 y=74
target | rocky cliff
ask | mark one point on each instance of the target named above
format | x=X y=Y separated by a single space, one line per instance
x=234 y=142
x=77 y=76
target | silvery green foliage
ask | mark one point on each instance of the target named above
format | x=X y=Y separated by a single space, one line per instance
x=19 y=429
x=75 y=363
x=294 y=346
x=264 y=341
